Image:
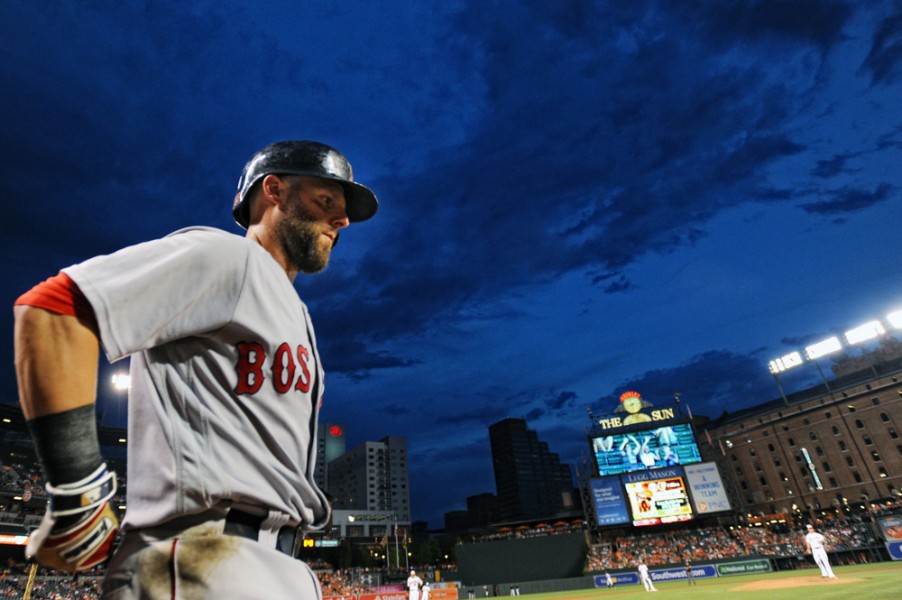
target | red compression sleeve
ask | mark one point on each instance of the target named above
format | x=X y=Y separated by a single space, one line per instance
x=60 y=295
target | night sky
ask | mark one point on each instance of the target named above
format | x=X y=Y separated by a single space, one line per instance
x=577 y=197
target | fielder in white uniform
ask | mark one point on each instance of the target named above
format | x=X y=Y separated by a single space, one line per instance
x=424 y=593
x=226 y=386
x=645 y=578
x=816 y=545
x=413 y=584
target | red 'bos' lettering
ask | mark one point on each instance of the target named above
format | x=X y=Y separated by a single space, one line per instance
x=303 y=384
x=249 y=367
x=252 y=359
x=282 y=369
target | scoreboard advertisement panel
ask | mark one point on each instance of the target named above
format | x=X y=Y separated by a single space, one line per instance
x=707 y=489
x=658 y=497
x=654 y=448
x=610 y=505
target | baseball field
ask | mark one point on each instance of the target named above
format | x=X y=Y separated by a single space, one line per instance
x=859 y=582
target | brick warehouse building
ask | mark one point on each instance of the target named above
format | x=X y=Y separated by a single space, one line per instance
x=833 y=446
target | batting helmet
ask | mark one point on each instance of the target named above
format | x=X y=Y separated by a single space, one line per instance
x=303 y=157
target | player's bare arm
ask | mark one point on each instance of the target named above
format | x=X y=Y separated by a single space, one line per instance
x=56 y=361
x=56 y=364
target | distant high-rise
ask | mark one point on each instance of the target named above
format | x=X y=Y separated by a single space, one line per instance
x=482 y=509
x=330 y=444
x=531 y=481
x=372 y=477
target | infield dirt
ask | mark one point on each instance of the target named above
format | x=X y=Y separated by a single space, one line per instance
x=790 y=582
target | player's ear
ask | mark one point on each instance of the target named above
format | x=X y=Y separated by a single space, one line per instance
x=273 y=188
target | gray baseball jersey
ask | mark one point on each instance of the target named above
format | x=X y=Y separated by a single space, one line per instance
x=226 y=380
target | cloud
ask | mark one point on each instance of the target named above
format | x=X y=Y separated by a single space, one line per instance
x=634 y=159
x=849 y=200
x=708 y=383
x=817 y=22
x=564 y=399
x=884 y=61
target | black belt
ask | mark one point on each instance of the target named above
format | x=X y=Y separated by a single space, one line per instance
x=246 y=525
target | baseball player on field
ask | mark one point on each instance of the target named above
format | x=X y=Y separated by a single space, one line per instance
x=645 y=578
x=226 y=386
x=816 y=546
x=413 y=584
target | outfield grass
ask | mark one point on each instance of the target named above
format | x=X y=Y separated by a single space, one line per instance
x=858 y=582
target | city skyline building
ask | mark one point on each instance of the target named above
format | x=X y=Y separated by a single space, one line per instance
x=372 y=476
x=530 y=480
x=330 y=444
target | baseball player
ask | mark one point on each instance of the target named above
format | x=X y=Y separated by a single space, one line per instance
x=645 y=578
x=226 y=386
x=816 y=546
x=413 y=584
x=424 y=593
x=690 y=576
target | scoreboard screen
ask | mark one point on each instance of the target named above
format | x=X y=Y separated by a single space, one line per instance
x=647 y=449
x=659 y=501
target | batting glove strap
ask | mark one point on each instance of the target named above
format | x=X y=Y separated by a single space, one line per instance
x=70 y=499
x=79 y=526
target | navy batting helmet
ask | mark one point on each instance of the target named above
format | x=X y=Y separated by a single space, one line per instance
x=303 y=157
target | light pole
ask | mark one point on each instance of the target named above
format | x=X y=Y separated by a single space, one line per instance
x=121 y=383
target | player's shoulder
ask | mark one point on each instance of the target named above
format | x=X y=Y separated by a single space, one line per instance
x=209 y=235
x=210 y=241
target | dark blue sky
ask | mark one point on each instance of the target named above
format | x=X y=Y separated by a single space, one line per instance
x=578 y=197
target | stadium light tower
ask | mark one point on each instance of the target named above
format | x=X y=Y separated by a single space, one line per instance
x=784 y=363
x=865 y=333
x=122 y=382
x=823 y=348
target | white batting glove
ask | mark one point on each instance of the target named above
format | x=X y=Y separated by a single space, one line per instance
x=79 y=527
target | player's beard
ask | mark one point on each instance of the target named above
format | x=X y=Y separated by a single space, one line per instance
x=302 y=240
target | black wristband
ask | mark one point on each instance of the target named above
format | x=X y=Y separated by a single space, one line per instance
x=66 y=444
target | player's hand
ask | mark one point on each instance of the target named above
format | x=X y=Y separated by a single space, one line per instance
x=79 y=527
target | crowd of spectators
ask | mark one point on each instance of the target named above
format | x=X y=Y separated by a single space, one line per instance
x=14 y=579
x=526 y=531
x=338 y=582
x=17 y=478
x=713 y=543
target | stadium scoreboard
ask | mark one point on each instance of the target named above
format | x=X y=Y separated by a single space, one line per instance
x=648 y=467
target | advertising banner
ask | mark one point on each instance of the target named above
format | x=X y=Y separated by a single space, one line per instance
x=679 y=573
x=895 y=550
x=707 y=488
x=385 y=596
x=619 y=579
x=744 y=567
x=655 y=501
x=610 y=506
x=891 y=527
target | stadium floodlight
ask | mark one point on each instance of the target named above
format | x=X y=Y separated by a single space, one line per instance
x=865 y=332
x=823 y=348
x=895 y=319
x=778 y=365
x=121 y=381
